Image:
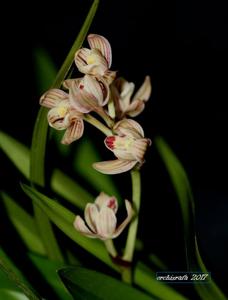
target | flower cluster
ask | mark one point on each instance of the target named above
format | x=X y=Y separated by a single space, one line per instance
x=100 y=92
x=97 y=91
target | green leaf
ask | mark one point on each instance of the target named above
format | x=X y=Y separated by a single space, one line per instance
x=77 y=44
x=182 y=187
x=45 y=70
x=11 y=295
x=91 y=285
x=37 y=163
x=70 y=189
x=146 y=279
x=14 y=275
x=85 y=156
x=24 y=224
x=63 y=219
x=17 y=153
x=48 y=269
x=61 y=184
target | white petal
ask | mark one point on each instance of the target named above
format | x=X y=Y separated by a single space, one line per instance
x=73 y=132
x=130 y=213
x=135 y=108
x=145 y=90
x=91 y=212
x=106 y=223
x=80 y=226
x=139 y=149
x=114 y=166
x=102 y=44
x=53 y=97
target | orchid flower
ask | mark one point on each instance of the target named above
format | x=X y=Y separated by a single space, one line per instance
x=122 y=91
x=88 y=93
x=97 y=60
x=100 y=217
x=62 y=116
x=129 y=146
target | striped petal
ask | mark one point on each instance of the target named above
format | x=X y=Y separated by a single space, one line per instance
x=106 y=223
x=145 y=90
x=109 y=76
x=90 y=62
x=129 y=127
x=80 y=226
x=73 y=132
x=82 y=100
x=114 y=166
x=91 y=214
x=130 y=214
x=52 y=98
x=102 y=44
x=58 y=118
x=138 y=149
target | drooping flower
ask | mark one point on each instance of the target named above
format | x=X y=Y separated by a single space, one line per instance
x=129 y=146
x=97 y=60
x=88 y=93
x=62 y=116
x=122 y=92
x=100 y=217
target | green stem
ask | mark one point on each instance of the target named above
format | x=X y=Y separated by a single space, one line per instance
x=126 y=275
x=110 y=248
x=132 y=232
x=93 y=121
x=108 y=120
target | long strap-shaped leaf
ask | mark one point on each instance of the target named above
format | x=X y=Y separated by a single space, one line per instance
x=37 y=167
x=63 y=219
x=182 y=187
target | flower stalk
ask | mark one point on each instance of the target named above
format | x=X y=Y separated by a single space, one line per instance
x=132 y=232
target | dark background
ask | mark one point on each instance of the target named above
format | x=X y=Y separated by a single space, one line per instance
x=183 y=47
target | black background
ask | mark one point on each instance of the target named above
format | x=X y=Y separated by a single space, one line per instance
x=183 y=47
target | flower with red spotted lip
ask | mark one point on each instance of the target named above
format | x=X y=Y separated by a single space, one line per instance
x=62 y=116
x=122 y=91
x=97 y=60
x=129 y=146
x=100 y=217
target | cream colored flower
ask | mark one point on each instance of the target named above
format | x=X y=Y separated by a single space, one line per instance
x=62 y=116
x=129 y=146
x=100 y=217
x=97 y=60
x=88 y=93
x=122 y=91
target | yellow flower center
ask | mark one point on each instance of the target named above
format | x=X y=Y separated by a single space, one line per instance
x=62 y=110
x=91 y=59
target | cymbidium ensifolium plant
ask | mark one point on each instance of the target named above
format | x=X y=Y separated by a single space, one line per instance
x=98 y=91
x=102 y=226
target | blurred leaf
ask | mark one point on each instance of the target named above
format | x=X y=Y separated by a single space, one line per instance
x=146 y=279
x=48 y=269
x=45 y=70
x=8 y=269
x=70 y=189
x=85 y=156
x=62 y=184
x=37 y=163
x=24 y=224
x=63 y=219
x=91 y=285
x=182 y=187
x=17 y=153
x=6 y=294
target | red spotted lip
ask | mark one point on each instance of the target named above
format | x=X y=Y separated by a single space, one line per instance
x=109 y=142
